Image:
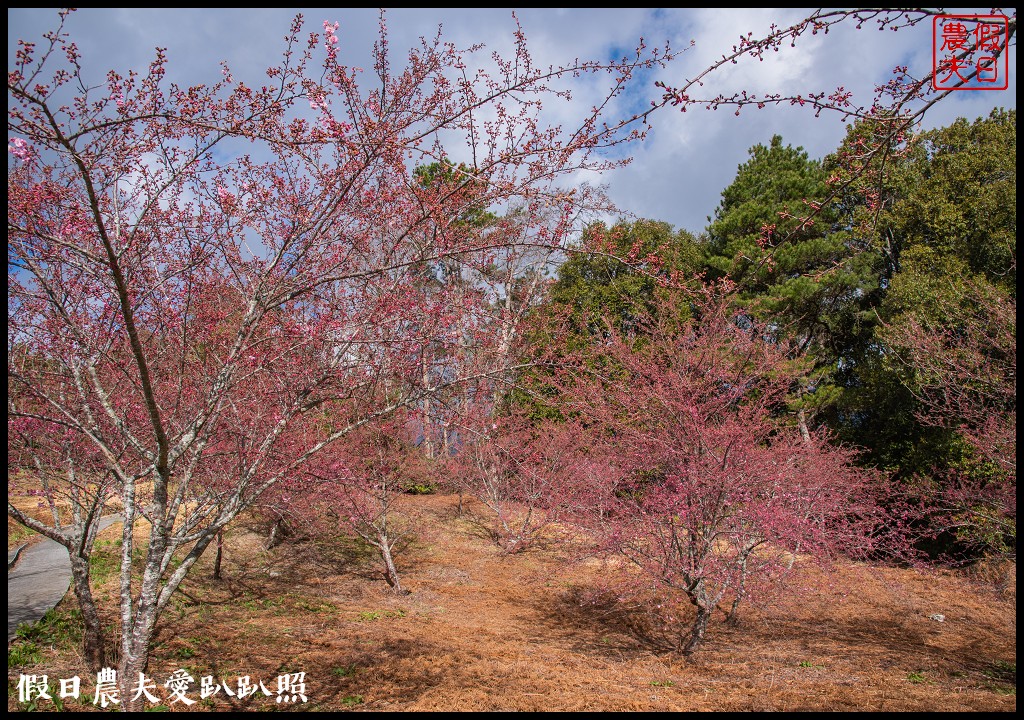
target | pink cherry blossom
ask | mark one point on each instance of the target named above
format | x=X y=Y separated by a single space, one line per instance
x=19 y=149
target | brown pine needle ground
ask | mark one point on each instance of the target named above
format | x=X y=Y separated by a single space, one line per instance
x=485 y=631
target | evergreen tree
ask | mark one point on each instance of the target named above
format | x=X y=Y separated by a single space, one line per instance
x=618 y=276
x=796 y=265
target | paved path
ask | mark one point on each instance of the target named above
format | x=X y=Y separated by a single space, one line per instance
x=39 y=581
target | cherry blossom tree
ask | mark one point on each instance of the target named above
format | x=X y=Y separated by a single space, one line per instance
x=904 y=98
x=889 y=115
x=369 y=472
x=68 y=477
x=959 y=358
x=210 y=285
x=711 y=490
x=530 y=478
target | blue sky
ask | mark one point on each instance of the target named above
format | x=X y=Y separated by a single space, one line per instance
x=680 y=170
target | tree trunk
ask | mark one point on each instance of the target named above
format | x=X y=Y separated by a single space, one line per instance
x=792 y=557
x=275 y=534
x=128 y=672
x=805 y=434
x=220 y=555
x=697 y=631
x=733 y=618
x=390 y=572
x=741 y=591
x=135 y=660
x=94 y=646
x=428 y=443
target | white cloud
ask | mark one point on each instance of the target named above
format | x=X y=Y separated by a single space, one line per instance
x=679 y=172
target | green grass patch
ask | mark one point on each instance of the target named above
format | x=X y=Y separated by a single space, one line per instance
x=23 y=654
x=371 y=615
x=1002 y=677
x=105 y=561
x=316 y=606
x=1001 y=670
x=57 y=627
x=17 y=534
x=185 y=653
x=421 y=489
x=263 y=603
x=41 y=704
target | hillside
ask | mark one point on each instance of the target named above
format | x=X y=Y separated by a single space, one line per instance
x=485 y=631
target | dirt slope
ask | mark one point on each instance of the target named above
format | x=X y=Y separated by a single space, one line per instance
x=484 y=631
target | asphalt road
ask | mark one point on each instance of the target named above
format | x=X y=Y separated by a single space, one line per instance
x=40 y=579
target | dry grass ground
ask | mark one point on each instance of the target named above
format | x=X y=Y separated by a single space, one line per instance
x=485 y=631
